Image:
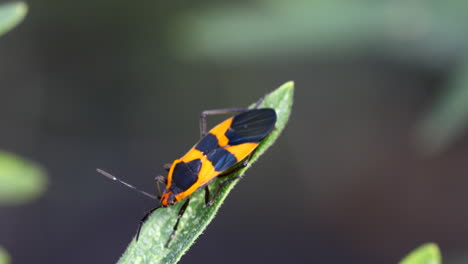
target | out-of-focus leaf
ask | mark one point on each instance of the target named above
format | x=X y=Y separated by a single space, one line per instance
x=150 y=247
x=4 y=257
x=11 y=14
x=427 y=31
x=448 y=117
x=426 y=254
x=20 y=180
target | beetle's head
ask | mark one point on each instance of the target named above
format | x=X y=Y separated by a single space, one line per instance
x=168 y=199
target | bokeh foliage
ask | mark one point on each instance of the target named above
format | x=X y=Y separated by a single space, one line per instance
x=11 y=14
x=4 y=257
x=20 y=180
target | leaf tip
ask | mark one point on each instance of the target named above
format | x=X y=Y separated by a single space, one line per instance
x=288 y=85
x=428 y=253
x=283 y=92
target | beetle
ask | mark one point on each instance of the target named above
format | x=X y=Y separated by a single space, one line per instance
x=220 y=152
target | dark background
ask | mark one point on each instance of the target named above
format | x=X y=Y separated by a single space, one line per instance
x=113 y=84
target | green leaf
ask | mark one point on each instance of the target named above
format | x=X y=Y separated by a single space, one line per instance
x=4 y=257
x=11 y=14
x=20 y=180
x=150 y=247
x=426 y=254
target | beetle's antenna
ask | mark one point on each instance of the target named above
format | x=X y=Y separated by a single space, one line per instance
x=112 y=177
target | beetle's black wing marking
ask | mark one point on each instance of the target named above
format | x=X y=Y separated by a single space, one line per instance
x=205 y=113
x=221 y=159
x=207 y=144
x=185 y=175
x=251 y=126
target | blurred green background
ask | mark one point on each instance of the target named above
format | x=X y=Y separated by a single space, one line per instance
x=371 y=165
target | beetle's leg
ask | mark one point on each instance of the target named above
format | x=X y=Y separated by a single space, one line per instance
x=206 y=113
x=207 y=195
x=218 y=190
x=234 y=169
x=238 y=166
x=260 y=101
x=208 y=201
x=179 y=216
x=160 y=180
x=143 y=220
x=167 y=166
